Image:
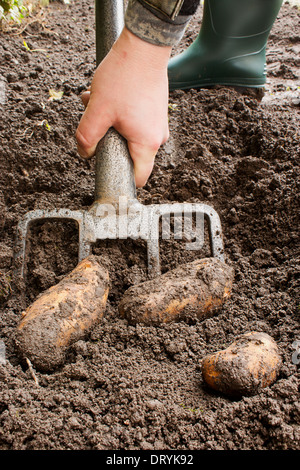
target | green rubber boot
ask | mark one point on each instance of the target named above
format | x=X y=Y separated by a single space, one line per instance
x=230 y=48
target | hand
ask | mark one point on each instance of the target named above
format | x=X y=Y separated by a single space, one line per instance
x=129 y=92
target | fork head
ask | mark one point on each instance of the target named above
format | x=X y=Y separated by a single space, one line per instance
x=130 y=219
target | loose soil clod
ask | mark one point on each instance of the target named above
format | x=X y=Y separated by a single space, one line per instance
x=197 y=289
x=249 y=364
x=65 y=313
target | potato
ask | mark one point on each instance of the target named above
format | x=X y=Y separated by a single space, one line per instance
x=248 y=365
x=63 y=314
x=196 y=289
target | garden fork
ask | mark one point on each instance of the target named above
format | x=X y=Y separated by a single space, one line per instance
x=116 y=212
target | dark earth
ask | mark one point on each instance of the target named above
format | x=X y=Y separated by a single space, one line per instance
x=135 y=386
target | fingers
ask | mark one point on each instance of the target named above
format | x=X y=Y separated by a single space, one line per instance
x=143 y=161
x=85 y=97
x=92 y=127
x=143 y=153
x=95 y=123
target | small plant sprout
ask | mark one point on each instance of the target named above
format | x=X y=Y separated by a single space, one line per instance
x=32 y=50
x=173 y=106
x=193 y=410
x=44 y=123
x=26 y=46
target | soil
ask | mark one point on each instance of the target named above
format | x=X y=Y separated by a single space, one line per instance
x=135 y=386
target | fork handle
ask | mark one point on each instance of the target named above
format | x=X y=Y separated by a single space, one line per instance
x=114 y=176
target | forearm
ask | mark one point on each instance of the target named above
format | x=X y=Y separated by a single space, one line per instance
x=160 y=22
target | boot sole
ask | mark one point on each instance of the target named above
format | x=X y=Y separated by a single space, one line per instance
x=243 y=83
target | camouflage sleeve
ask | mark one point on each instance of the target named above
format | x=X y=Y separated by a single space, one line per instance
x=160 y=22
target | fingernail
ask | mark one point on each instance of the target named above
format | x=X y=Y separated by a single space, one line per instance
x=82 y=153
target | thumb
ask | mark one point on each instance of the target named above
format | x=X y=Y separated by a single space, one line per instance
x=92 y=127
x=143 y=161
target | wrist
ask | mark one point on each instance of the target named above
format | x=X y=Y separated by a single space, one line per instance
x=130 y=46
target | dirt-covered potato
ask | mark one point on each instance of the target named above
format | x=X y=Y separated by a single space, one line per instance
x=249 y=364
x=196 y=289
x=63 y=314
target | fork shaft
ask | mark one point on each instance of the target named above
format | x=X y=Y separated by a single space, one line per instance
x=114 y=167
x=109 y=25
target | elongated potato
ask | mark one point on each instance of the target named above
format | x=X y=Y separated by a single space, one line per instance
x=249 y=364
x=63 y=314
x=194 y=289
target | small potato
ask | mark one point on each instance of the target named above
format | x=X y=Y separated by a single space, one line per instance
x=196 y=289
x=249 y=364
x=63 y=314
